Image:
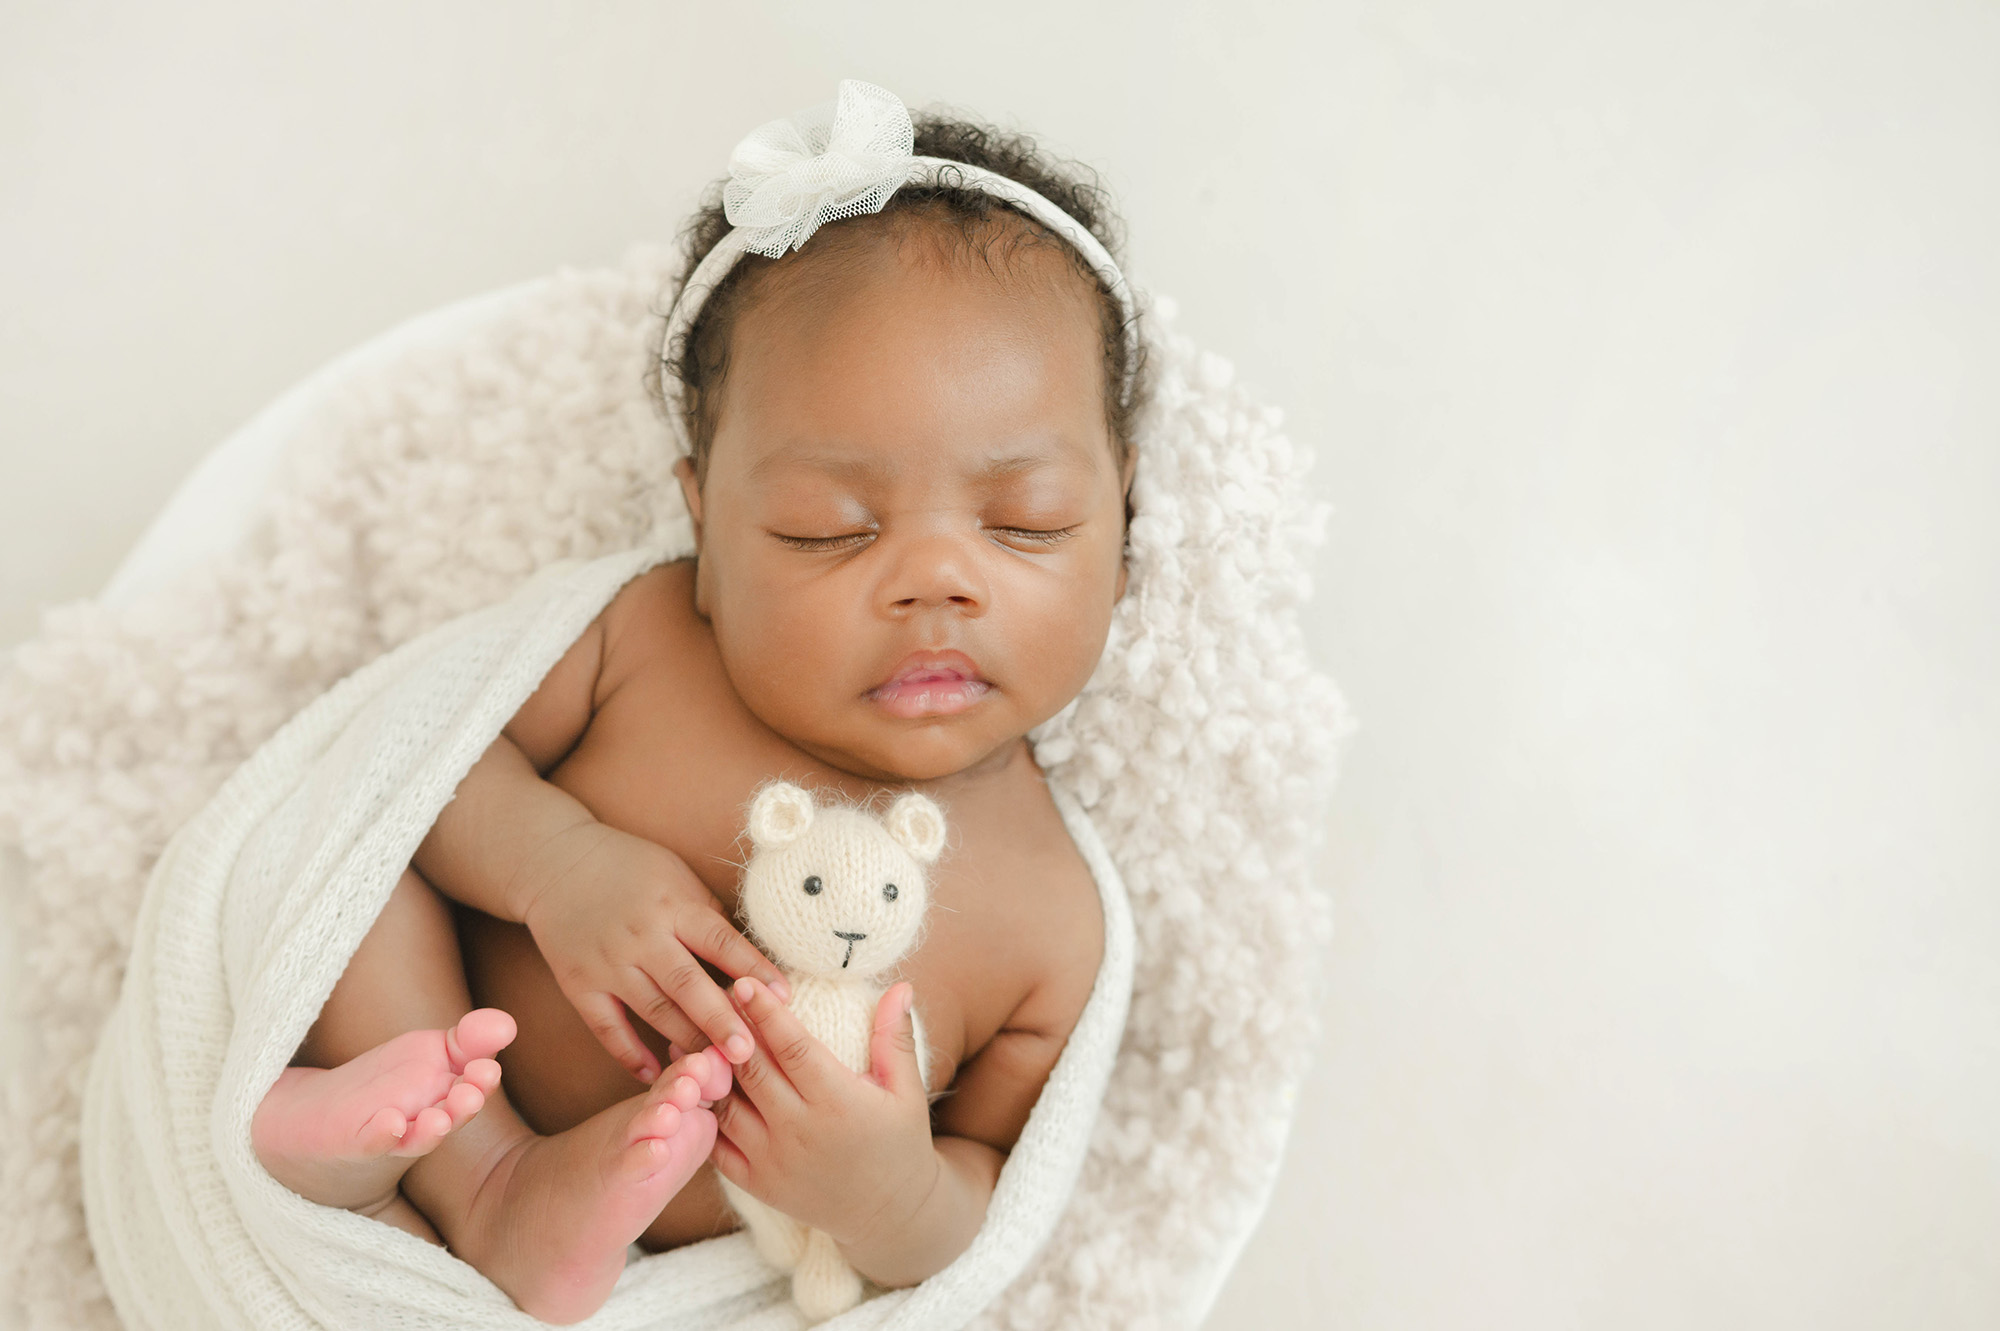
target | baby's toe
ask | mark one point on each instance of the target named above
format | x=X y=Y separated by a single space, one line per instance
x=479 y=1034
x=426 y=1130
x=656 y=1122
x=383 y=1132
x=462 y=1102
x=711 y=1073
x=483 y=1073
x=674 y=1145
x=683 y=1092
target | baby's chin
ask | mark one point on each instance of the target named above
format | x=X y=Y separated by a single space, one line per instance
x=929 y=752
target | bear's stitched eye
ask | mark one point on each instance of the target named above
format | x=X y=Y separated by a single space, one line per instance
x=889 y=892
x=813 y=886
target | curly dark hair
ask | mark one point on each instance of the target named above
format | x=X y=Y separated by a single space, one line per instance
x=985 y=226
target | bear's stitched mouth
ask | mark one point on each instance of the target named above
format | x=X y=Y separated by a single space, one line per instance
x=852 y=939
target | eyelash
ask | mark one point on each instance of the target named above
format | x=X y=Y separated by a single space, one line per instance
x=824 y=543
x=1054 y=536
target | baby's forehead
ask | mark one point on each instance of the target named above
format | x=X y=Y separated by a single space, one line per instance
x=850 y=463
x=999 y=245
x=897 y=349
x=875 y=270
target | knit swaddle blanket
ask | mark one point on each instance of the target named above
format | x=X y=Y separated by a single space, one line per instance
x=250 y=917
x=430 y=474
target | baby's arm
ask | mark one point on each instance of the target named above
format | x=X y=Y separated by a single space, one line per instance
x=620 y=919
x=973 y=1129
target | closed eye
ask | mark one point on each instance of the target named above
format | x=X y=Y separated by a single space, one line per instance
x=852 y=540
x=1035 y=536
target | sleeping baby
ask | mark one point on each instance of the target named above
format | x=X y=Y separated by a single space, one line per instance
x=908 y=403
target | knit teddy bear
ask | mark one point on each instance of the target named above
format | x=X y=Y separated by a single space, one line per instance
x=836 y=896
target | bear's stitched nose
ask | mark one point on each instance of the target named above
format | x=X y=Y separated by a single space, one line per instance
x=852 y=939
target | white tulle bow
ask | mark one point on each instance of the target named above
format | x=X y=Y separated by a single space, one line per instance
x=840 y=159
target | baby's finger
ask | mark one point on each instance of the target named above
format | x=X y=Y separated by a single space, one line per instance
x=729 y=1160
x=652 y=1006
x=684 y=982
x=606 y=1018
x=715 y=941
x=802 y=1059
x=892 y=1045
x=738 y=1123
x=764 y=1084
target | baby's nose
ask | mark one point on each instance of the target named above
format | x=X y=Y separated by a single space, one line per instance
x=934 y=571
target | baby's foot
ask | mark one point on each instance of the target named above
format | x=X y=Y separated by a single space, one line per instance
x=551 y=1223
x=344 y=1136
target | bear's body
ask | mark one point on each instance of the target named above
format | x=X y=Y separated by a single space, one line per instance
x=836 y=897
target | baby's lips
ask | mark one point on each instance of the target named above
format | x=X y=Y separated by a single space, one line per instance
x=945 y=662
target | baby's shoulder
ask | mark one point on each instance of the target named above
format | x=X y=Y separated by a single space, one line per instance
x=652 y=618
x=1045 y=904
x=1071 y=935
x=652 y=625
x=653 y=610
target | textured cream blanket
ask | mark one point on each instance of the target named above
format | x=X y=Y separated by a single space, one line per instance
x=430 y=474
x=247 y=923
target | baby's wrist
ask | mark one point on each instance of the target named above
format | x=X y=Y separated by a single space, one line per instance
x=880 y=1244
x=535 y=882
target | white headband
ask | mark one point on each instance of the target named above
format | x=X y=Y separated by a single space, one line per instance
x=842 y=159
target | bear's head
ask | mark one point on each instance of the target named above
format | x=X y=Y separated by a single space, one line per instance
x=836 y=891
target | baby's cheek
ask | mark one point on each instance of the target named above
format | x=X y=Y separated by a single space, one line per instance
x=1067 y=648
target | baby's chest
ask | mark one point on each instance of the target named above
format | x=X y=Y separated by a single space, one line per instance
x=1007 y=902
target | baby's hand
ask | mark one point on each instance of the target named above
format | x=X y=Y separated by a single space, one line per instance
x=622 y=927
x=845 y=1152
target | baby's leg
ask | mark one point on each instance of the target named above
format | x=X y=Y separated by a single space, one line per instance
x=548 y=1219
x=558 y=1075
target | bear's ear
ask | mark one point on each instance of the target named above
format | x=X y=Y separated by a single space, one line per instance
x=918 y=826
x=779 y=815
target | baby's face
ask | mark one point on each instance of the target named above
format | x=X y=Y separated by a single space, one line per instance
x=912 y=523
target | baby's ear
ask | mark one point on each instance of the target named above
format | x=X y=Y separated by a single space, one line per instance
x=690 y=491
x=779 y=815
x=918 y=826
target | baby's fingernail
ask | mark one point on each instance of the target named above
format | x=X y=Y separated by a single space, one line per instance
x=648 y=1074
x=782 y=990
x=740 y=1047
x=746 y=988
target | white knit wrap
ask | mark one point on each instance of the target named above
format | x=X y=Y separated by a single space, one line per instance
x=431 y=474
x=249 y=919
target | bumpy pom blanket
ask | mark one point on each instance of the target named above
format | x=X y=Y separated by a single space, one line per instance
x=431 y=475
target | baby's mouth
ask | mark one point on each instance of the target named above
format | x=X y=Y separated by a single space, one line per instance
x=930 y=684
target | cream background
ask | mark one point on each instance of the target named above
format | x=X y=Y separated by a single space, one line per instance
x=1648 y=349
